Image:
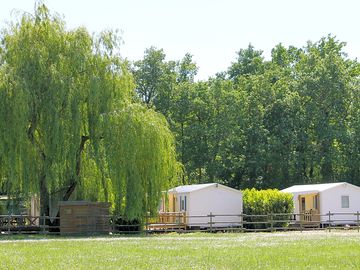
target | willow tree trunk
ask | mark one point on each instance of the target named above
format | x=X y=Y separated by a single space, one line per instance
x=44 y=200
x=73 y=183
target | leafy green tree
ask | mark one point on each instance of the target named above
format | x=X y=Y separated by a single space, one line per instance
x=249 y=62
x=148 y=74
x=351 y=149
x=325 y=84
x=65 y=104
x=155 y=79
x=186 y=69
x=168 y=88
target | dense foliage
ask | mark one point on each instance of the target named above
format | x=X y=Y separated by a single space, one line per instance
x=266 y=202
x=288 y=120
x=69 y=125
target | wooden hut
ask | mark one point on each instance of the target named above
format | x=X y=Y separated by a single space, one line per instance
x=79 y=217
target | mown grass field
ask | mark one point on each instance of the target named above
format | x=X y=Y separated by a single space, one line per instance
x=288 y=250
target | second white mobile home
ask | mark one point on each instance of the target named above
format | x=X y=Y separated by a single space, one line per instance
x=314 y=202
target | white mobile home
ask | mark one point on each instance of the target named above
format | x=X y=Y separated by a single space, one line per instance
x=314 y=202
x=198 y=201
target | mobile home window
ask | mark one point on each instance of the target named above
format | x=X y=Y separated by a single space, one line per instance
x=315 y=202
x=345 y=202
x=182 y=203
x=303 y=206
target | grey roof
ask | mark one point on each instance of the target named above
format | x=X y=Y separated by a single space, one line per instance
x=312 y=188
x=192 y=188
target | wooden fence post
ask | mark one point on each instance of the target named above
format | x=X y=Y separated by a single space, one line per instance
x=184 y=221
x=211 y=221
x=178 y=222
x=329 y=214
x=357 y=220
x=9 y=223
x=242 y=222
x=42 y=224
x=146 y=223
x=270 y=218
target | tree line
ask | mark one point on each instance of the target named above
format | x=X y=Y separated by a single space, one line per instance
x=78 y=121
x=292 y=119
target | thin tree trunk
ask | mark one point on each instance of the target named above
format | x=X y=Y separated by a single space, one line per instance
x=73 y=181
x=44 y=198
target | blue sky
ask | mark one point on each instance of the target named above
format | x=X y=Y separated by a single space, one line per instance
x=212 y=31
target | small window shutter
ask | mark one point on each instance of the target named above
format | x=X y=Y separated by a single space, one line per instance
x=185 y=203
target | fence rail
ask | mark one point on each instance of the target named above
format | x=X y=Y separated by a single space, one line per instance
x=179 y=222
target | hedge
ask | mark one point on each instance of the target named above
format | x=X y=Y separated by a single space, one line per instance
x=266 y=202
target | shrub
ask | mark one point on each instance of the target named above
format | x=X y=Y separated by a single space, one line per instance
x=122 y=225
x=267 y=202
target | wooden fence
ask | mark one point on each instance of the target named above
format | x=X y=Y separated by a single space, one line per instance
x=25 y=224
x=179 y=222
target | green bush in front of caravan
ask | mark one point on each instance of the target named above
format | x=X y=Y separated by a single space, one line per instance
x=269 y=203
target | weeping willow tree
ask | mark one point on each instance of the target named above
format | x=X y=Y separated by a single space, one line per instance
x=68 y=122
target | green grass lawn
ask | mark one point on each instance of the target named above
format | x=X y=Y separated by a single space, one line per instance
x=287 y=250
